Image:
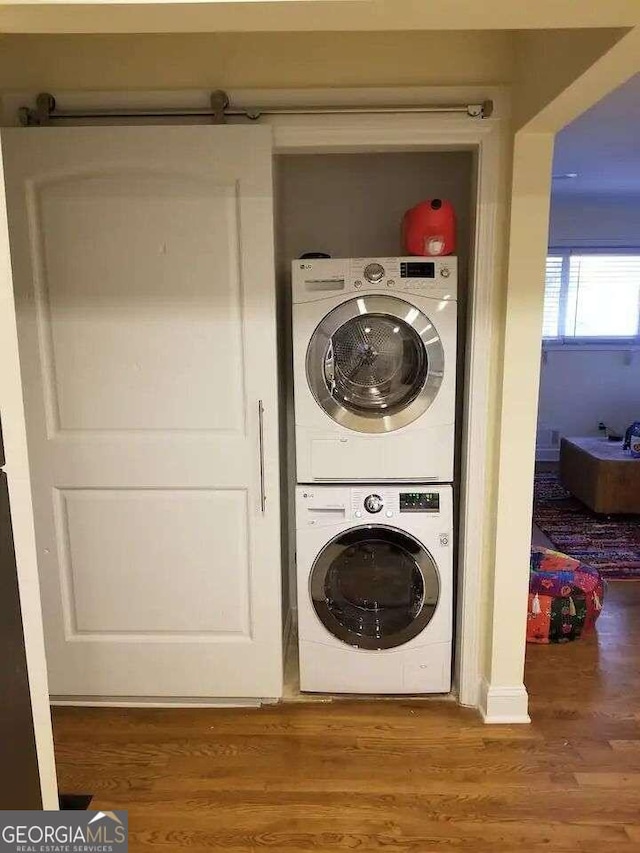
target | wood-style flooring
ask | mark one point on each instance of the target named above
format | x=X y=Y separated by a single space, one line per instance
x=388 y=775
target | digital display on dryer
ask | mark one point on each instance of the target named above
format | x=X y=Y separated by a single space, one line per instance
x=419 y=502
x=417 y=269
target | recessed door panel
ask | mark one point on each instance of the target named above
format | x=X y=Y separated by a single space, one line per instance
x=134 y=329
x=144 y=581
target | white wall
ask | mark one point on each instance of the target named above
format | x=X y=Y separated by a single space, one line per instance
x=351 y=205
x=581 y=387
x=594 y=221
x=235 y=60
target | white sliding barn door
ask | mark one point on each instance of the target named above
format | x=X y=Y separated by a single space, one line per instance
x=143 y=272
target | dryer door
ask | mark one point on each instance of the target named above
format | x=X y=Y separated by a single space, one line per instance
x=375 y=363
x=374 y=587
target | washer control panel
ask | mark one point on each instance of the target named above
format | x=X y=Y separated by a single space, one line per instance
x=327 y=506
x=390 y=503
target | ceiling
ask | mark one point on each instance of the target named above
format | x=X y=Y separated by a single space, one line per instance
x=602 y=147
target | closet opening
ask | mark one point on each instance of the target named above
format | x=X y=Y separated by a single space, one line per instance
x=350 y=205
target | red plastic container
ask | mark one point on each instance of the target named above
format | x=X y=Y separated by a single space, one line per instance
x=429 y=228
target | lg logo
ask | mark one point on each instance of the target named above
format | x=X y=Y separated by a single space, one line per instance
x=306 y=266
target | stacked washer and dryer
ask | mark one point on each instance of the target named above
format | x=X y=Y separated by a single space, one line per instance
x=374 y=343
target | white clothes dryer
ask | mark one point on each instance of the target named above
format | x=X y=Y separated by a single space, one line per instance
x=374 y=346
x=375 y=588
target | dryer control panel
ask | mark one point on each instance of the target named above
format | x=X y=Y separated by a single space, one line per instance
x=320 y=278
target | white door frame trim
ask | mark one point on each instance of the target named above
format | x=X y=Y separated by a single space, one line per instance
x=19 y=484
x=395 y=132
x=403 y=132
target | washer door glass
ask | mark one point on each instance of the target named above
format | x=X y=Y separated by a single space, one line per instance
x=375 y=363
x=374 y=587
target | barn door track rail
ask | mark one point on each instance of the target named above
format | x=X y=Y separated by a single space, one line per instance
x=47 y=113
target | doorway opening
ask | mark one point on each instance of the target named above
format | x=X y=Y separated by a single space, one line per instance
x=587 y=483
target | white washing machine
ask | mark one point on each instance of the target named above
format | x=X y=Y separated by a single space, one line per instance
x=375 y=588
x=374 y=343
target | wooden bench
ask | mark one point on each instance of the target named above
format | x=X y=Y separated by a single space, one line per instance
x=600 y=474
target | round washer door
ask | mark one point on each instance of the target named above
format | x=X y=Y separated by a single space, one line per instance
x=375 y=363
x=374 y=587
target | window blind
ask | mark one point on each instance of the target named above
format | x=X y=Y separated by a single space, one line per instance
x=592 y=295
x=552 y=296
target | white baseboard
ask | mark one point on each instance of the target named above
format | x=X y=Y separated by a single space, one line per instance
x=547 y=454
x=155 y=702
x=502 y=705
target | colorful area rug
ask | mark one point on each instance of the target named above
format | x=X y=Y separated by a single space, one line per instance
x=609 y=543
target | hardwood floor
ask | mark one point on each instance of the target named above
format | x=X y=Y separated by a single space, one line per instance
x=397 y=776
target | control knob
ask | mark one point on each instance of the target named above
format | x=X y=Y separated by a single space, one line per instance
x=374 y=273
x=373 y=503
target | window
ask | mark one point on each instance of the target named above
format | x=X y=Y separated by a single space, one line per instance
x=592 y=296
